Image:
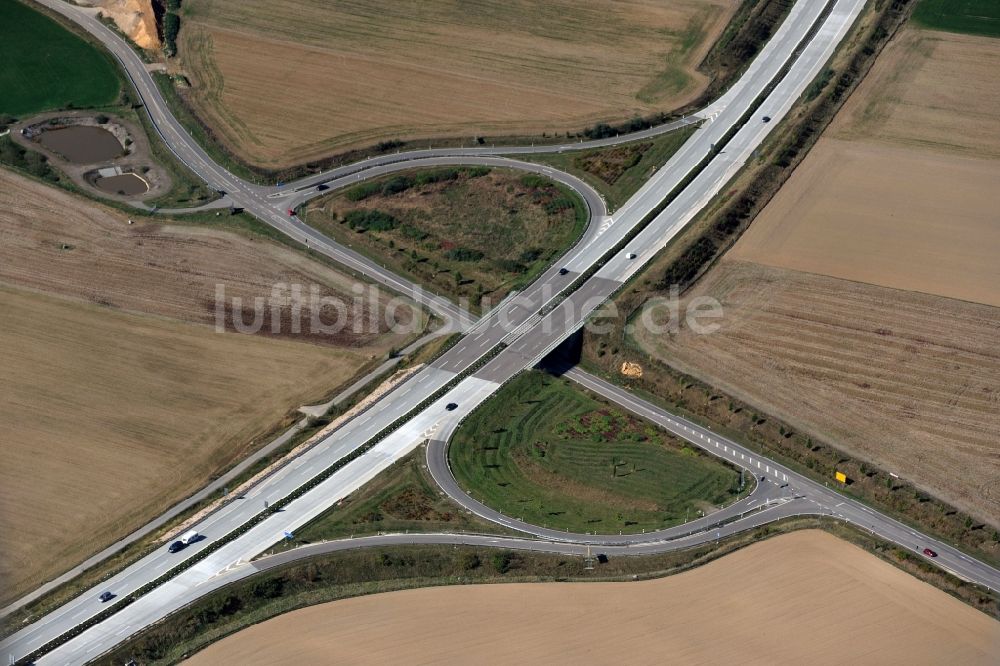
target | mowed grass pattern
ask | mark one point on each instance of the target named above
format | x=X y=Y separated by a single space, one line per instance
x=973 y=17
x=47 y=67
x=545 y=452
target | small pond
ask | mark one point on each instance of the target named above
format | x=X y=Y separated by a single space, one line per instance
x=127 y=184
x=82 y=144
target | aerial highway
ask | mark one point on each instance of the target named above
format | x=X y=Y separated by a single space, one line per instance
x=515 y=336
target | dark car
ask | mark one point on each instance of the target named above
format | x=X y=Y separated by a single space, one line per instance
x=767 y=119
x=451 y=406
x=929 y=553
x=175 y=546
x=563 y=271
x=322 y=187
x=106 y=596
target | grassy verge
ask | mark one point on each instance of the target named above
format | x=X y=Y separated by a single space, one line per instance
x=546 y=452
x=355 y=573
x=187 y=188
x=705 y=240
x=752 y=26
x=473 y=233
x=202 y=134
x=618 y=171
x=403 y=498
x=69 y=72
x=972 y=17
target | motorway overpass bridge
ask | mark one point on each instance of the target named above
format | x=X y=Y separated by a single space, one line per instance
x=515 y=336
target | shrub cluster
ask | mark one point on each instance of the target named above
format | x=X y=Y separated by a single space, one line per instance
x=402 y=183
x=464 y=254
x=171 y=27
x=370 y=220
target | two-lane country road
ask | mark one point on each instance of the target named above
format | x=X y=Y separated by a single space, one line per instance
x=514 y=337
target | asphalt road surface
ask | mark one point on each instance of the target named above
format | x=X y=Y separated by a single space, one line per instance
x=515 y=336
x=522 y=319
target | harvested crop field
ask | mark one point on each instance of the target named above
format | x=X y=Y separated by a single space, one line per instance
x=118 y=397
x=807 y=596
x=887 y=215
x=60 y=243
x=907 y=380
x=110 y=417
x=284 y=81
x=902 y=189
x=932 y=91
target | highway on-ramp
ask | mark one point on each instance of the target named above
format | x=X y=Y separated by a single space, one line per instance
x=515 y=336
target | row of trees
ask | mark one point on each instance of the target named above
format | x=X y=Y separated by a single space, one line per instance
x=171 y=27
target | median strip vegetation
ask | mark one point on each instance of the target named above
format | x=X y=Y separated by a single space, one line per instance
x=218 y=543
x=544 y=452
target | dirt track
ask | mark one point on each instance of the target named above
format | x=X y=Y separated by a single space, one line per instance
x=806 y=597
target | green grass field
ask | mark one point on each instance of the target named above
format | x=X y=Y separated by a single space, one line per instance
x=546 y=452
x=973 y=17
x=462 y=232
x=617 y=172
x=47 y=67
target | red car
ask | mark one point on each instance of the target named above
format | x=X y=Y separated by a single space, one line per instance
x=291 y=212
x=929 y=553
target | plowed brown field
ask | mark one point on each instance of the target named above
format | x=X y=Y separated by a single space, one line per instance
x=284 y=81
x=117 y=399
x=904 y=379
x=63 y=244
x=805 y=597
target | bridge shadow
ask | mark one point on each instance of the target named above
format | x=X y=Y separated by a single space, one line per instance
x=564 y=357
